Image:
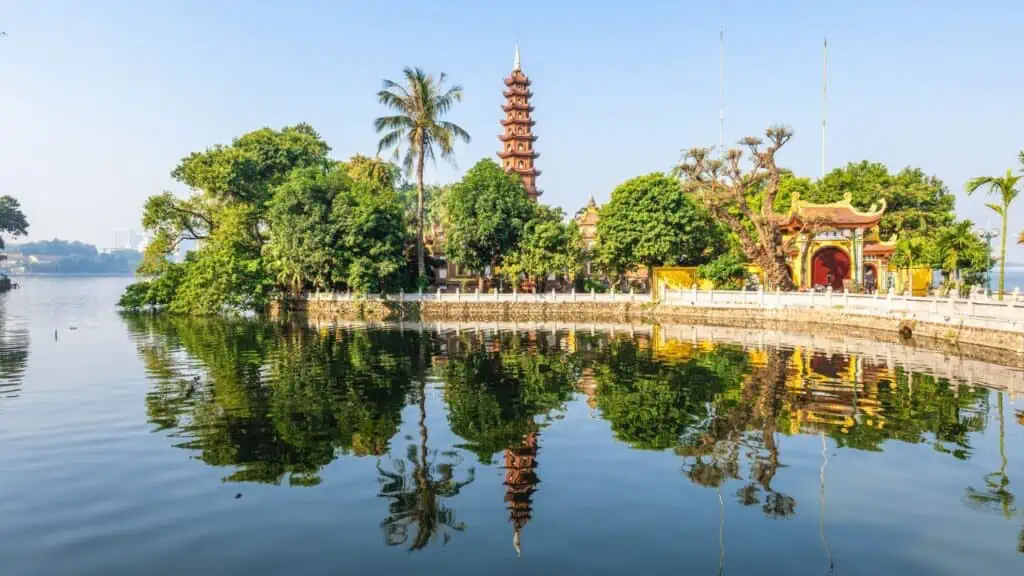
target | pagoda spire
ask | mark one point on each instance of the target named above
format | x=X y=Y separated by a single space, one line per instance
x=517 y=153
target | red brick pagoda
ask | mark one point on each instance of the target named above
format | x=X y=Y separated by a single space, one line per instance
x=517 y=153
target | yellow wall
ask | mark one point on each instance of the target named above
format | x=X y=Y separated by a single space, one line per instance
x=922 y=279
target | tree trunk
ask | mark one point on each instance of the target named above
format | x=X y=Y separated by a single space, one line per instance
x=420 y=264
x=775 y=271
x=1002 y=254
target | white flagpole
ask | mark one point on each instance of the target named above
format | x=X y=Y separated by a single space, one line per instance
x=824 y=105
x=721 y=92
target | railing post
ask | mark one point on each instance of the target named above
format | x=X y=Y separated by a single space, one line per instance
x=477 y=293
x=935 y=303
x=573 y=293
x=515 y=293
x=458 y=294
x=694 y=294
x=401 y=294
x=846 y=298
x=632 y=295
x=812 y=297
x=438 y=293
x=421 y=293
x=1014 y=296
x=970 y=306
x=828 y=297
x=888 y=298
x=952 y=303
x=760 y=295
x=593 y=295
x=711 y=296
x=778 y=297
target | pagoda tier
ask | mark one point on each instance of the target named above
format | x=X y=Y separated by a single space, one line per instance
x=517 y=91
x=517 y=107
x=519 y=79
x=519 y=154
x=516 y=137
x=515 y=121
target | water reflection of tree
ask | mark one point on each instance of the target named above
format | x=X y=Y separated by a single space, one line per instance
x=995 y=496
x=500 y=391
x=273 y=401
x=14 y=344
x=419 y=497
x=743 y=423
x=650 y=403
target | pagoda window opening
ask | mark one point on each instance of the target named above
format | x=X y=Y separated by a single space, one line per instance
x=520 y=163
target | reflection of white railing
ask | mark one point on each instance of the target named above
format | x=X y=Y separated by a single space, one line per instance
x=979 y=312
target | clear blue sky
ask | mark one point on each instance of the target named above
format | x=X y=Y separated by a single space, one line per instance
x=100 y=99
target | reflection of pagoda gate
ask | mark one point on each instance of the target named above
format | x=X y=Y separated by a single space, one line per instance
x=520 y=483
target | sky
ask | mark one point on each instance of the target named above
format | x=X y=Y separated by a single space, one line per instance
x=99 y=100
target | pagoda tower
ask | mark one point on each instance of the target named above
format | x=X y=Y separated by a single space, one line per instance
x=517 y=152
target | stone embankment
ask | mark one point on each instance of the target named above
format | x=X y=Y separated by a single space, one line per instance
x=991 y=338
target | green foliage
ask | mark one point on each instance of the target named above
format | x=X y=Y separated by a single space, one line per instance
x=916 y=203
x=417 y=125
x=271 y=402
x=959 y=253
x=12 y=219
x=485 y=214
x=55 y=247
x=495 y=398
x=649 y=221
x=1005 y=188
x=549 y=246
x=271 y=211
x=728 y=272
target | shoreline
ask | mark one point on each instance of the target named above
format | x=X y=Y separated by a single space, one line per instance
x=1002 y=347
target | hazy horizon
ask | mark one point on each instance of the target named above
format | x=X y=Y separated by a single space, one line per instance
x=101 y=101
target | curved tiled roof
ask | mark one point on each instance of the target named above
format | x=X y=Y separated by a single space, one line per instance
x=840 y=214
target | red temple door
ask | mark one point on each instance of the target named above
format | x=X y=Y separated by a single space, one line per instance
x=830 y=267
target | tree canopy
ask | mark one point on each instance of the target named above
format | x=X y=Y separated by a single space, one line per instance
x=549 y=246
x=649 y=222
x=271 y=211
x=485 y=214
x=12 y=219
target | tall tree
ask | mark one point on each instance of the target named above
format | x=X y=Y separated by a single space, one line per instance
x=1006 y=190
x=724 y=189
x=957 y=249
x=549 y=246
x=915 y=202
x=650 y=222
x=12 y=219
x=485 y=213
x=417 y=124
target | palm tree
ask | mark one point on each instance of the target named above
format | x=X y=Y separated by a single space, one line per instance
x=419 y=107
x=1005 y=187
x=956 y=245
x=908 y=252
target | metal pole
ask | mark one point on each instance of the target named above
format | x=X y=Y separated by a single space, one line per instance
x=721 y=93
x=824 y=104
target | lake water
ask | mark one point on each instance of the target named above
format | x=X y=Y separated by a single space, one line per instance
x=159 y=445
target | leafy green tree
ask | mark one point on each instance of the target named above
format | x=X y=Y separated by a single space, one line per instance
x=12 y=220
x=301 y=251
x=916 y=204
x=232 y=187
x=728 y=271
x=417 y=124
x=485 y=214
x=1006 y=190
x=650 y=222
x=960 y=254
x=370 y=228
x=549 y=246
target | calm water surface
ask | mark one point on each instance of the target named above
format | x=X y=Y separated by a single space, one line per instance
x=158 y=445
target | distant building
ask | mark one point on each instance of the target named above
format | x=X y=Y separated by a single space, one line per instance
x=129 y=239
